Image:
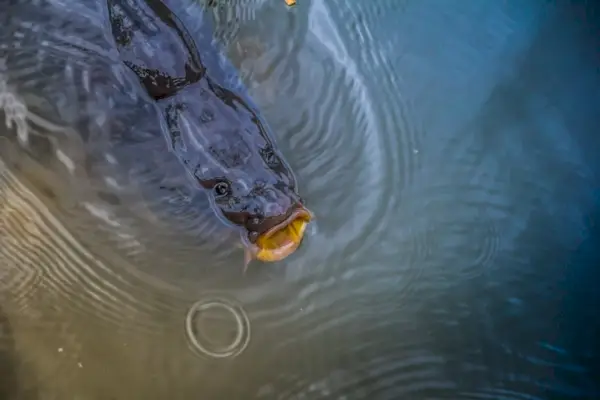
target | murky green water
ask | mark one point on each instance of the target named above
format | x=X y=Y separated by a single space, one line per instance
x=448 y=150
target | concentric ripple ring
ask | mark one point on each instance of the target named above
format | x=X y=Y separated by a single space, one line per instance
x=242 y=338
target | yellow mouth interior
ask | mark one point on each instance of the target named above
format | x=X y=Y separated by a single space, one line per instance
x=291 y=233
x=283 y=242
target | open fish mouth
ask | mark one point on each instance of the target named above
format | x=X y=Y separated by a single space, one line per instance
x=282 y=239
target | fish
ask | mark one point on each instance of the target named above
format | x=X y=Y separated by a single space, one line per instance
x=144 y=82
x=215 y=130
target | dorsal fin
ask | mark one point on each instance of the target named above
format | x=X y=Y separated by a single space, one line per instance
x=143 y=28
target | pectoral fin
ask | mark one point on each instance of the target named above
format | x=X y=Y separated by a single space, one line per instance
x=247 y=259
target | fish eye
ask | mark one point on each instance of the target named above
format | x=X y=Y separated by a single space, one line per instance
x=221 y=188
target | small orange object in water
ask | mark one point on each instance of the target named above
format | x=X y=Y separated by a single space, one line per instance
x=290 y=2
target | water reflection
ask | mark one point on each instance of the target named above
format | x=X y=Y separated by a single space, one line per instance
x=460 y=167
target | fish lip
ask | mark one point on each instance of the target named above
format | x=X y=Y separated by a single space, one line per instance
x=289 y=248
x=299 y=212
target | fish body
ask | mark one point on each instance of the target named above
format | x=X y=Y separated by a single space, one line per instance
x=182 y=92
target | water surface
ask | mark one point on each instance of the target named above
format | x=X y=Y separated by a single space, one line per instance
x=449 y=152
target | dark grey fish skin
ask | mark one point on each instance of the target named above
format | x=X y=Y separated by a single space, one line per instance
x=217 y=133
x=128 y=74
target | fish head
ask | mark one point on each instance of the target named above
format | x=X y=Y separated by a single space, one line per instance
x=253 y=188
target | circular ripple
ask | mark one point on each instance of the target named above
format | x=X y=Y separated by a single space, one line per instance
x=194 y=330
x=355 y=159
x=25 y=261
x=352 y=159
x=16 y=232
x=67 y=299
x=39 y=249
